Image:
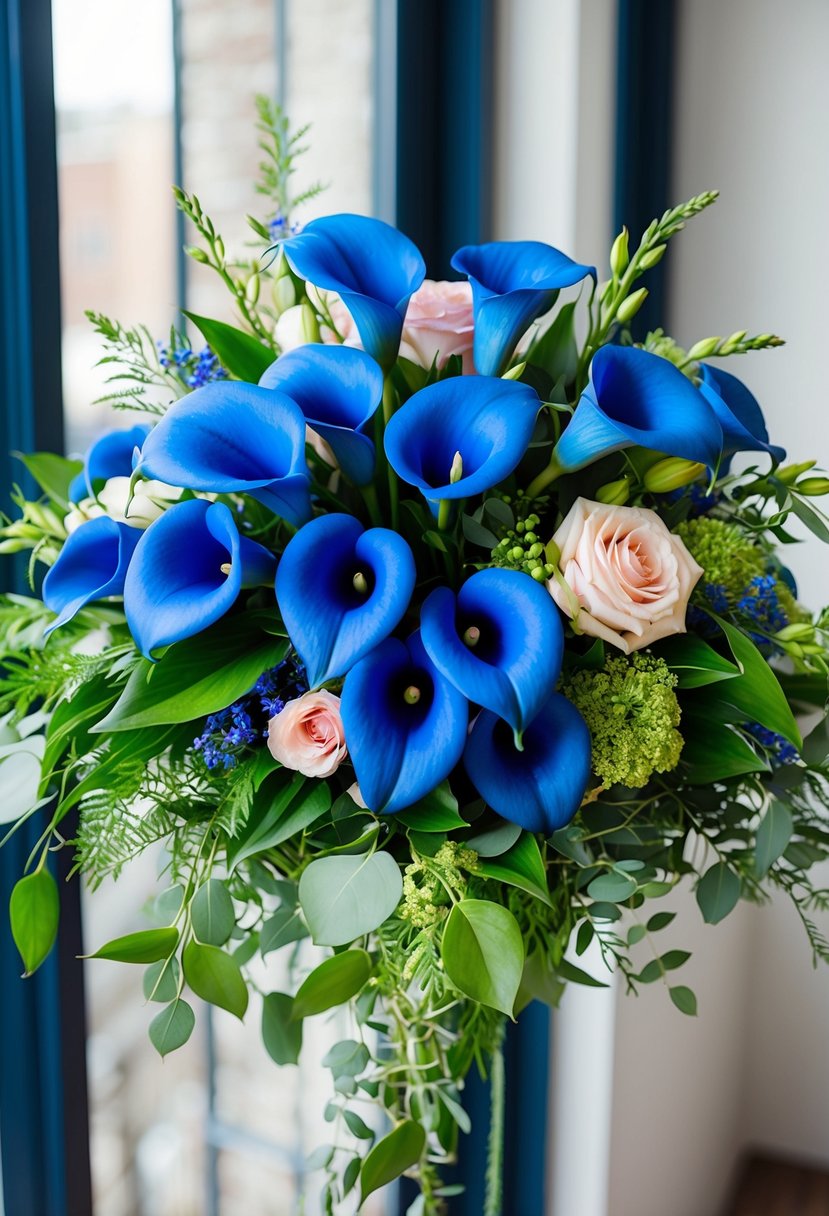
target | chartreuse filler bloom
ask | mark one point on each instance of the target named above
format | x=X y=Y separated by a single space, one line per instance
x=442 y=685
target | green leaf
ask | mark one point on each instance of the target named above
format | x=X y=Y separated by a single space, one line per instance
x=161 y=980
x=343 y=898
x=539 y=982
x=356 y=1125
x=171 y=1028
x=54 y=474
x=773 y=835
x=695 y=662
x=758 y=693
x=635 y=934
x=67 y=723
x=684 y=999
x=657 y=967
x=437 y=812
x=215 y=977
x=243 y=355
x=813 y=520
x=281 y=1035
x=612 y=887
x=286 y=925
x=347 y=1058
x=146 y=946
x=568 y=842
x=477 y=534
x=212 y=913
x=391 y=1157
x=718 y=892
x=556 y=351
x=350 y=1175
x=495 y=841
x=574 y=975
x=295 y=807
x=334 y=982
x=483 y=953
x=34 y=912
x=521 y=866
x=712 y=755
x=195 y=677
x=660 y=920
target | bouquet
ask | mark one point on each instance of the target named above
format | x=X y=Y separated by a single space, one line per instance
x=436 y=632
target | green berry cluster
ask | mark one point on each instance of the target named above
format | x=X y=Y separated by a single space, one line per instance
x=728 y=557
x=522 y=549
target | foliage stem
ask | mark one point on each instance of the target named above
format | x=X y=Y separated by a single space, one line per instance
x=495 y=1145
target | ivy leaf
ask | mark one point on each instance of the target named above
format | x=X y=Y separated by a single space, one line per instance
x=212 y=913
x=343 y=898
x=146 y=946
x=773 y=835
x=718 y=892
x=684 y=999
x=281 y=1035
x=334 y=982
x=34 y=911
x=521 y=866
x=392 y=1156
x=483 y=953
x=215 y=977
x=171 y=1028
x=243 y=355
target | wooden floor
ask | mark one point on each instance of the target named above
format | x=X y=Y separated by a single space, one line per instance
x=769 y=1187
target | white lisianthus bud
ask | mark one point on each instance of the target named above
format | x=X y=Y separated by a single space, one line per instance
x=296 y=327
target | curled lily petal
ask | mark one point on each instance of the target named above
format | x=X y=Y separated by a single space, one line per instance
x=230 y=437
x=373 y=267
x=541 y=787
x=110 y=456
x=91 y=566
x=187 y=571
x=405 y=725
x=638 y=398
x=738 y=413
x=341 y=589
x=513 y=283
x=488 y=641
x=338 y=390
x=488 y=421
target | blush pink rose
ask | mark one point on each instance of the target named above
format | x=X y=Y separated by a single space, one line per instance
x=307 y=736
x=628 y=578
x=439 y=324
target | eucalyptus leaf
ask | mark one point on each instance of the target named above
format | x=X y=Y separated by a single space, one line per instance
x=612 y=887
x=281 y=1033
x=285 y=926
x=684 y=999
x=718 y=892
x=773 y=835
x=483 y=953
x=392 y=1156
x=215 y=977
x=496 y=840
x=171 y=1028
x=343 y=898
x=34 y=912
x=211 y=913
x=332 y=983
x=161 y=980
x=347 y=1058
x=357 y=1126
x=436 y=812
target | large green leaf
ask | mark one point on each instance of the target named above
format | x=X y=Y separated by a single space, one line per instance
x=34 y=912
x=556 y=350
x=521 y=866
x=243 y=355
x=215 y=977
x=54 y=474
x=281 y=1032
x=294 y=807
x=195 y=677
x=483 y=953
x=436 y=812
x=211 y=913
x=343 y=898
x=333 y=983
x=757 y=694
x=695 y=662
x=718 y=892
x=713 y=752
x=171 y=1028
x=286 y=925
x=392 y=1156
x=773 y=835
x=145 y=946
x=68 y=723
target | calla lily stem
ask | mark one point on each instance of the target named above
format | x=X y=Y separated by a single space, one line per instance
x=388 y=410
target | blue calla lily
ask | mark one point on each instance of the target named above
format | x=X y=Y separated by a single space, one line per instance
x=230 y=437
x=541 y=787
x=488 y=421
x=338 y=390
x=738 y=413
x=374 y=269
x=638 y=398
x=110 y=456
x=187 y=571
x=341 y=589
x=488 y=640
x=91 y=566
x=513 y=283
x=405 y=724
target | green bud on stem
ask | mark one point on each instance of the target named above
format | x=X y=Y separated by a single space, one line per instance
x=613 y=494
x=619 y=257
x=703 y=348
x=813 y=487
x=789 y=473
x=628 y=309
x=671 y=474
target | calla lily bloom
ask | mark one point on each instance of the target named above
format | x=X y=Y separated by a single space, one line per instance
x=91 y=566
x=487 y=641
x=338 y=390
x=405 y=724
x=738 y=413
x=187 y=571
x=110 y=456
x=513 y=283
x=373 y=268
x=341 y=589
x=230 y=437
x=541 y=787
x=638 y=398
x=461 y=436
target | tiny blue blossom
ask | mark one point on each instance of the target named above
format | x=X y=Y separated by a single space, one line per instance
x=782 y=751
x=244 y=724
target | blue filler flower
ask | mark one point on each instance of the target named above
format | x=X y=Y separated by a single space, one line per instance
x=738 y=413
x=91 y=566
x=110 y=456
x=499 y=641
x=231 y=733
x=187 y=571
x=405 y=725
x=341 y=590
x=541 y=787
x=374 y=268
x=779 y=748
x=338 y=390
x=638 y=398
x=513 y=283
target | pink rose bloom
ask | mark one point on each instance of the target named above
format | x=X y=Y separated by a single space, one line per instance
x=308 y=735
x=628 y=578
x=439 y=324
